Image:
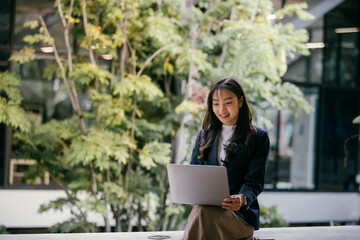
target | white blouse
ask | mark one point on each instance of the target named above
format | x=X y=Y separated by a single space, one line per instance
x=224 y=140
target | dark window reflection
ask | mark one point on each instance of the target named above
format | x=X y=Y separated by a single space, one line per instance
x=339 y=109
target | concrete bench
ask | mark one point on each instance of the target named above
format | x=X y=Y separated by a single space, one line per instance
x=289 y=233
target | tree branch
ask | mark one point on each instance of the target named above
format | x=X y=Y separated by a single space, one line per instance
x=92 y=60
x=123 y=49
x=91 y=52
x=152 y=57
x=73 y=98
x=69 y=196
x=66 y=25
x=58 y=60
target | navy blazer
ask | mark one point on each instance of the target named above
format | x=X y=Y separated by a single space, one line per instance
x=246 y=174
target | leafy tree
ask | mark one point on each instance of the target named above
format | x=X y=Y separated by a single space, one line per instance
x=111 y=158
x=10 y=99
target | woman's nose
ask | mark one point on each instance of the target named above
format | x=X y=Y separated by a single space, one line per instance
x=222 y=108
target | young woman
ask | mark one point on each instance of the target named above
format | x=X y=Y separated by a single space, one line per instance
x=229 y=138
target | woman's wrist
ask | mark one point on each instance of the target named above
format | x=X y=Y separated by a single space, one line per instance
x=243 y=199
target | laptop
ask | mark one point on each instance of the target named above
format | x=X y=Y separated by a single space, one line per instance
x=198 y=184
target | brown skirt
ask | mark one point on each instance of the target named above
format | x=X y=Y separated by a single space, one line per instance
x=215 y=223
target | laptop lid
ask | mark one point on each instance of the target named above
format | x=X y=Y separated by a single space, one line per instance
x=198 y=184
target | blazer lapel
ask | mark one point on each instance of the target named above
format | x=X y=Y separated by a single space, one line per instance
x=213 y=159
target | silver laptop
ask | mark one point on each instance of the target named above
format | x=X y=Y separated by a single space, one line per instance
x=198 y=184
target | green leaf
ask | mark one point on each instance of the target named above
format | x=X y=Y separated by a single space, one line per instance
x=23 y=56
x=140 y=183
x=86 y=73
x=95 y=38
x=155 y=153
x=139 y=86
x=14 y=116
x=188 y=106
x=92 y=204
x=162 y=29
x=356 y=120
x=100 y=146
x=11 y=113
x=31 y=24
x=295 y=8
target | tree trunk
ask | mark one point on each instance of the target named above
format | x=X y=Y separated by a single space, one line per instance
x=107 y=224
x=131 y=216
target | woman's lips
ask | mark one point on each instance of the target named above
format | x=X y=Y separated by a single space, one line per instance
x=224 y=115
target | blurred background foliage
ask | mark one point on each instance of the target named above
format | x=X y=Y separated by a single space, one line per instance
x=144 y=69
x=269 y=217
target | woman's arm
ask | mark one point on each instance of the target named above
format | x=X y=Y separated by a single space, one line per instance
x=255 y=176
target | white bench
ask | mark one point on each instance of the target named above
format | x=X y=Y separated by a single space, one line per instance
x=288 y=233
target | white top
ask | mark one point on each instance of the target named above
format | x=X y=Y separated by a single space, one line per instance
x=224 y=140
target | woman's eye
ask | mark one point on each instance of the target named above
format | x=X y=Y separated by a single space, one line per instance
x=228 y=103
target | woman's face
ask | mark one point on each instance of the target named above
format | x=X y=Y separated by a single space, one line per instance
x=226 y=106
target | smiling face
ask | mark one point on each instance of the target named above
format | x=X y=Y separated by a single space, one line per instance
x=226 y=106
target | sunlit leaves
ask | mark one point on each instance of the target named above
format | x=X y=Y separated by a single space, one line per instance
x=280 y=95
x=356 y=120
x=188 y=106
x=86 y=73
x=72 y=20
x=118 y=38
x=14 y=116
x=95 y=38
x=41 y=36
x=154 y=153
x=53 y=134
x=162 y=29
x=199 y=58
x=139 y=86
x=9 y=83
x=100 y=146
x=111 y=110
x=23 y=56
x=296 y=8
x=93 y=204
x=32 y=24
x=11 y=113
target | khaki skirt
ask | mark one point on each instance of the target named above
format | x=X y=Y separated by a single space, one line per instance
x=215 y=223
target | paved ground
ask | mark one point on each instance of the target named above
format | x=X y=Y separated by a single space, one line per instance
x=291 y=233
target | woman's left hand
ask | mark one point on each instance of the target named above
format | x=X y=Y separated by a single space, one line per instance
x=234 y=202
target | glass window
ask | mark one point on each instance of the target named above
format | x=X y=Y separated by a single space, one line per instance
x=340 y=107
x=2 y=153
x=5 y=18
x=292 y=157
x=308 y=68
x=296 y=70
x=342 y=45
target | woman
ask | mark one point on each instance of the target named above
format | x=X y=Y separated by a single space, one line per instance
x=229 y=138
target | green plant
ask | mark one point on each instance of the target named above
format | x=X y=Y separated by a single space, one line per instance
x=269 y=217
x=3 y=229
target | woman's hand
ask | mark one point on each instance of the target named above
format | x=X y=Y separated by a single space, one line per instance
x=234 y=202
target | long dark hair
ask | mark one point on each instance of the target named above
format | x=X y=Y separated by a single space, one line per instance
x=244 y=132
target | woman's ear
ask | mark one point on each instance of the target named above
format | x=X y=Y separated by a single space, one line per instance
x=241 y=100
